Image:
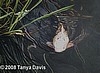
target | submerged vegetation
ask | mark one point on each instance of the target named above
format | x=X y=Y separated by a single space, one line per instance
x=27 y=25
x=12 y=33
x=11 y=15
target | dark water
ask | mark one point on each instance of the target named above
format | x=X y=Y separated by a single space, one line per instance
x=69 y=61
x=84 y=57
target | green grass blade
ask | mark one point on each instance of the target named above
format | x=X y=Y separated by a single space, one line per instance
x=16 y=4
x=3 y=10
x=1 y=2
x=13 y=32
x=5 y=15
x=4 y=24
x=18 y=18
x=36 y=5
x=32 y=8
x=47 y=15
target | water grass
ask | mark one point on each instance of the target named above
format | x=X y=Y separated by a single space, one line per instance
x=25 y=12
x=10 y=17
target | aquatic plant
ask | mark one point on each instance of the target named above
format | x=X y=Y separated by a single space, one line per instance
x=12 y=36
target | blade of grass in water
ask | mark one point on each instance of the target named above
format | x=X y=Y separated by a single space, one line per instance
x=16 y=4
x=13 y=32
x=3 y=10
x=47 y=15
x=32 y=8
x=1 y=2
x=12 y=25
x=36 y=5
x=7 y=2
x=17 y=19
x=4 y=24
x=5 y=15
